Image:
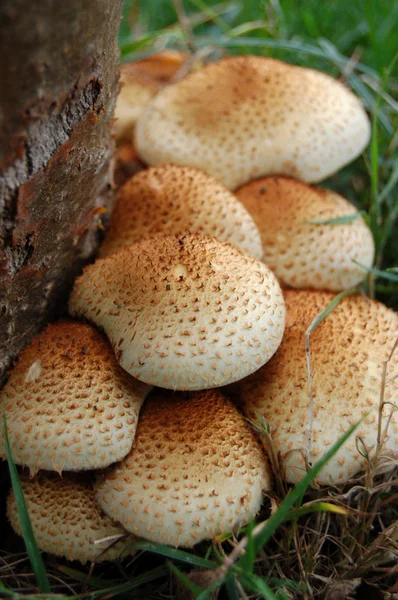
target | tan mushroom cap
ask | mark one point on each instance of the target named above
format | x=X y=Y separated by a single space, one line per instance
x=136 y=92
x=304 y=254
x=195 y=471
x=66 y=519
x=163 y=65
x=183 y=312
x=172 y=199
x=348 y=350
x=69 y=405
x=248 y=116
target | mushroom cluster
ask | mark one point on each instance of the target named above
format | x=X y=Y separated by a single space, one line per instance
x=186 y=297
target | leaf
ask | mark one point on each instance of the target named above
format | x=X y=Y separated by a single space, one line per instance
x=391 y=183
x=337 y=220
x=247 y=562
x=174 y=554
x=316 y=507
x=32 y=548
x=123 y=588
x=96 y=582
x=231 y=590
x=256 y=584
x=330 y=307
x=194 y=589
x=389 y=274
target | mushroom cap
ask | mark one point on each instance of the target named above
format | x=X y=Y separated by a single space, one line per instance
x=348 y=350
x=171 y=199
x=69 y=405
x=136 y=92
x=183 y=312
x=304 y=254
x=162 y=66
x=247 y=116
x=196 y=470
x=66 y=518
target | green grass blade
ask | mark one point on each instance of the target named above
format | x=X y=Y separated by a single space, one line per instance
x=26 y=526
x=374 y=209
x=297 y=492
x=4 y=591
x=175 y=554
x=247 y=563
x=230 y=587
x=330 y=307
x=254 y=583
x=123 y=588
x=96 y=582
x=188 y=583
x=307 y=509
x=391 y=183
x=390 y=274
x=337 y=220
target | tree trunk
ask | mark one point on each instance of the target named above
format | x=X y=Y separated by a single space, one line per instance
x=58 y=82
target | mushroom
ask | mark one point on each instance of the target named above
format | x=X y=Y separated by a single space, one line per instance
x=68 y=403
x=183 y=311
x=195 y=471
x=136 y=92
x=247 y=116
x=171 y=199
x=66 y=519
x=348 y=351
x=303 y=251
x=162 y=66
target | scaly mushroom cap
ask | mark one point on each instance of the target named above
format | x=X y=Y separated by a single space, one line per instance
x=184 y=312
x=248 y=116
x=195 y=471
x=136 y=92
x=304 y=254
x=68 y=403
x=172 y=199
x=348 y=350
x=66 y=519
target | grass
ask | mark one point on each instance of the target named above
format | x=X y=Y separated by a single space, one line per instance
x=316 y=542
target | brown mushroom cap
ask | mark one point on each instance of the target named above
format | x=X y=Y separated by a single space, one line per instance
x=69 y=405
x=304 y=254
x=183 y=312
x=348 y=350
x=162 y=66
x=66 y=519
x=172 y=199
x=248 y=116
x=195 y=471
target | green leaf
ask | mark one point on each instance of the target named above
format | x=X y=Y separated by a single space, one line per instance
x=391 y=183
x=249 y=557
x=231 y=590
x=337 y=220
x=254 y=583
x=330 y=307
x=174 y=554
x=32 y=548
x=189 y=584
x=390 y=274
x=123 y=588
x=96 y=582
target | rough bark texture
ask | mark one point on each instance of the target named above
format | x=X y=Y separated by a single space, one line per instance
x=58 y=74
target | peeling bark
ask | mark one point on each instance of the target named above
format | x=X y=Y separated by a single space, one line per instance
x=58 y=74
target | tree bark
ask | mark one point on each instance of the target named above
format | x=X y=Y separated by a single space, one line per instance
x=58 y=83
